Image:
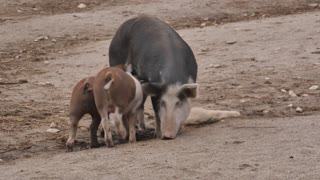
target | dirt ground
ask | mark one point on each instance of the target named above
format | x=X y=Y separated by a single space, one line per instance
x=250 y=55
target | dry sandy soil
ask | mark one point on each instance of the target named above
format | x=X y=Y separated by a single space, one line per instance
x=250 y=54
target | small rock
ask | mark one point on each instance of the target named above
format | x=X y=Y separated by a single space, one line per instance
x=283 y=90
x=204 y=49
x=299 y=110
x=53 y=125
x=313 y=5
x=22 y=81
x=82 y=128
x=42 y=84
x=217 y=66
x=315 y=87
x=49 y=83
x=81 y=6
x=52 y=130
x=267 y=82
x=41 y=38
x=231 y=42
x=292 y=94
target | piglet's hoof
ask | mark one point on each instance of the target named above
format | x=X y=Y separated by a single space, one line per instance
x=109 y=144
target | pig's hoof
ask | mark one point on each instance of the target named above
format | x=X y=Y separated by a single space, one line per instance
x=157 y=135
x=110 y=144
x=69 y=148
x=94 y=145
x=132 y=140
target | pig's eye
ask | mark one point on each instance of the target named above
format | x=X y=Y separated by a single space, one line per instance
x=178 y=103
x=162 y=104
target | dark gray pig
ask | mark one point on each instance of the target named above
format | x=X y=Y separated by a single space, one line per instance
x=165 y=65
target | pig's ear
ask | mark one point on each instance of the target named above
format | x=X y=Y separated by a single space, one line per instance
x=189 y=90
x=87 y=88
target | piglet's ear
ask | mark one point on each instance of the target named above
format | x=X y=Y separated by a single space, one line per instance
x=189 y=90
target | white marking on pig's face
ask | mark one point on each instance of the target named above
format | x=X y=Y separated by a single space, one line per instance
x=174 y=110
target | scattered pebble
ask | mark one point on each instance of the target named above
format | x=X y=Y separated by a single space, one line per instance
x=231 y=42
x=313 y=5
x=49 y=83
x=315 y=87
x=283 y=90
x=81 y=6
x=82 y=128
x=215 y=66
x=292 y=94
x=299 y=110
x=41 y=38
x=205 y=49
x=53 y=125
x=22 y=81
x=203 y=24
x=52 y=130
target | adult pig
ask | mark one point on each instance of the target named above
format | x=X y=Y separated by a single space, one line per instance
x=165 y=65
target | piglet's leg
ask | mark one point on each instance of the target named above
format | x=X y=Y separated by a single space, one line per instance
x=132 y=126
x=122 y=133
x=106 y=124
x=74 y=120
x=93 y=131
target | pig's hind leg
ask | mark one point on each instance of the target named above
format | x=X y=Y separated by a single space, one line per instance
x=106 y=124
x=74 y=120
x=94 y=143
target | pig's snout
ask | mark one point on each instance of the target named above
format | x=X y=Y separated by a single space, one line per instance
x=168 y=135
